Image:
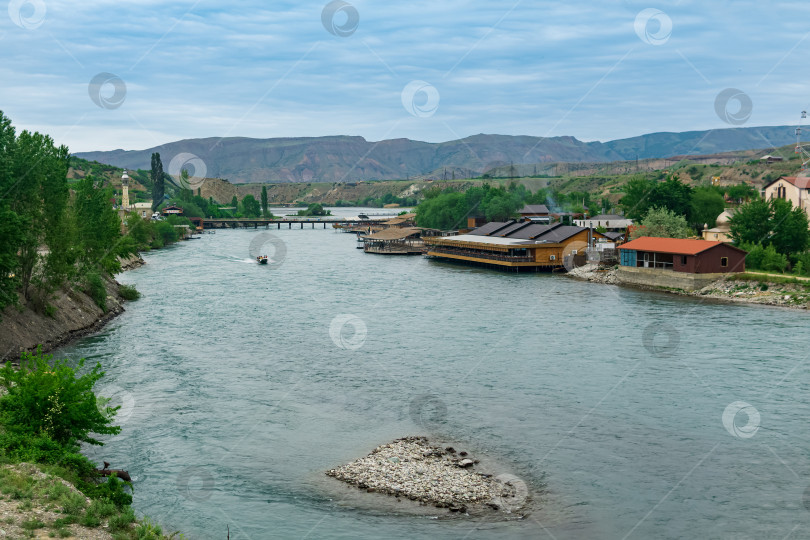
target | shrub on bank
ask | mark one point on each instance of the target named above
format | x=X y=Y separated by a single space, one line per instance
x=129 y=292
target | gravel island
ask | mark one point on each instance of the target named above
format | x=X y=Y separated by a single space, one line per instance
x=413 y=468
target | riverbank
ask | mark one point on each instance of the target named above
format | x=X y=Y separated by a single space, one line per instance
x=763 y=289
x=72 y=314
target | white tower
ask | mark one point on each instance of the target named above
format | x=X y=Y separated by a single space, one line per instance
x=125 y=189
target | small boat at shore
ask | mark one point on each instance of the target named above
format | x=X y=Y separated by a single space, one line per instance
x=261 y=259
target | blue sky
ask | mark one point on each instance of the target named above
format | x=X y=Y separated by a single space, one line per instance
x=592 y=70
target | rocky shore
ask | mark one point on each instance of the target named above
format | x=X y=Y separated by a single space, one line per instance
x=73 y=315
x=413 y=468
x=755 y=290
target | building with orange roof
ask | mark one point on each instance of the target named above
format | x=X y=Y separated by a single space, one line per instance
x=680 y=263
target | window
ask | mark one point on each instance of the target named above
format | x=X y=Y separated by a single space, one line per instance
x=683 y=259
x=723 y=261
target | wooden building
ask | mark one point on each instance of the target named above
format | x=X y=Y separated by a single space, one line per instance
x=404 y=220
x=395 y=241
x=172 y=211
x=515 y=245
x=537 y=213
x=682 y=255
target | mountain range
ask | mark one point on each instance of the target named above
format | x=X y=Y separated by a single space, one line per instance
x=352 y=158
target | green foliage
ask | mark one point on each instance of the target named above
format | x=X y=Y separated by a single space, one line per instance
x=707 y=204
x=450 y=209
x=264 y=201
x=251 y=207
x=663 y=223
x=764 y=258
x=94 y=287
x=771 y=223
x=46 y=398
x=129 y=292
x=641 y=194
x=98 y=228
x=312 y=210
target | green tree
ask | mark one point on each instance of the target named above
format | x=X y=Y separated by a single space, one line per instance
x=662 y=223
x=635 y=201
x=98 y=228
x=751 y=223
x=706 y=205
x=673 y=195
x=790 y=233
x=46 y=397
x=158 y=181
x=264 y=201
x=250 y=206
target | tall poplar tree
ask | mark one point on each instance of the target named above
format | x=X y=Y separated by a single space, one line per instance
x=264 y=201
x=157 y=177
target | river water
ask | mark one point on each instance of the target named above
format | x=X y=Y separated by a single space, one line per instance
x=240 y=384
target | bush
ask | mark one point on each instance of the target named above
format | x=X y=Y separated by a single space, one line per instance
x=129 y=292
x=764 y=258
x=47 y=407
x=94 y=287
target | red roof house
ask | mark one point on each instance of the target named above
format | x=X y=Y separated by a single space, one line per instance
x=682 y=255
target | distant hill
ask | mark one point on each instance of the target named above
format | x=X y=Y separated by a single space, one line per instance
x=350 y=159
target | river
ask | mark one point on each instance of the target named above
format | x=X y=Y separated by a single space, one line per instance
x=240 y=384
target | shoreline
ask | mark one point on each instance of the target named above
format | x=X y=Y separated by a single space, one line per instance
x=732 y=290
x=23 y=328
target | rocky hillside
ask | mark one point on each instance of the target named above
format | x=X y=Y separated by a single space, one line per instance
x=351 y=159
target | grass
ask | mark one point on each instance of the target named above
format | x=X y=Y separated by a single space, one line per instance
x=52 y=494
x=761 y=278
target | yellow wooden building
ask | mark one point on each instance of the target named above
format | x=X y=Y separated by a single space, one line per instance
x=516 y=245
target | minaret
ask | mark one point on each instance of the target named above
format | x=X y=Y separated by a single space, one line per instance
x=125 y=189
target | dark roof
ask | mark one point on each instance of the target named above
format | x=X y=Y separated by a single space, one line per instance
x=607 y=217
x=489 y=228
x=559 y=234
x=511 y=229
x=534 y=230
x=613 y=235
x=534 y=209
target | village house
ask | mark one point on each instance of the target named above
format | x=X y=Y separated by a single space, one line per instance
x=537 y=213
x=795 y=189
x=395 y=241
x=609 y=222
x=678 y=263
x=403 y=220
x=172 y=211
x=515 y=245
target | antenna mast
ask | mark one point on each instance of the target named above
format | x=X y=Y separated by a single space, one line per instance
x=800 y=149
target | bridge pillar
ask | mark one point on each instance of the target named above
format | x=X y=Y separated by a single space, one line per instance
x=313 y=224
x=290 y=225
x=324 y=225
x=279 y=225
x=302 y=225
x=255 y=225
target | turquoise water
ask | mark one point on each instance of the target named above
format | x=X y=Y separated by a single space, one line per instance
x=240 y=384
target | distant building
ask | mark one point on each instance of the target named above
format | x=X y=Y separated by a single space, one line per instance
x=172 y=211
x=537 y=213
x=795 y=189
x=770 y=159
x=610 y=222
x=721 y=232
x=143 y=209
x=677 y=262
x=404 y=220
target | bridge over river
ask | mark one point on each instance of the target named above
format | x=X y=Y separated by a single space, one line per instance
x=255 y=223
